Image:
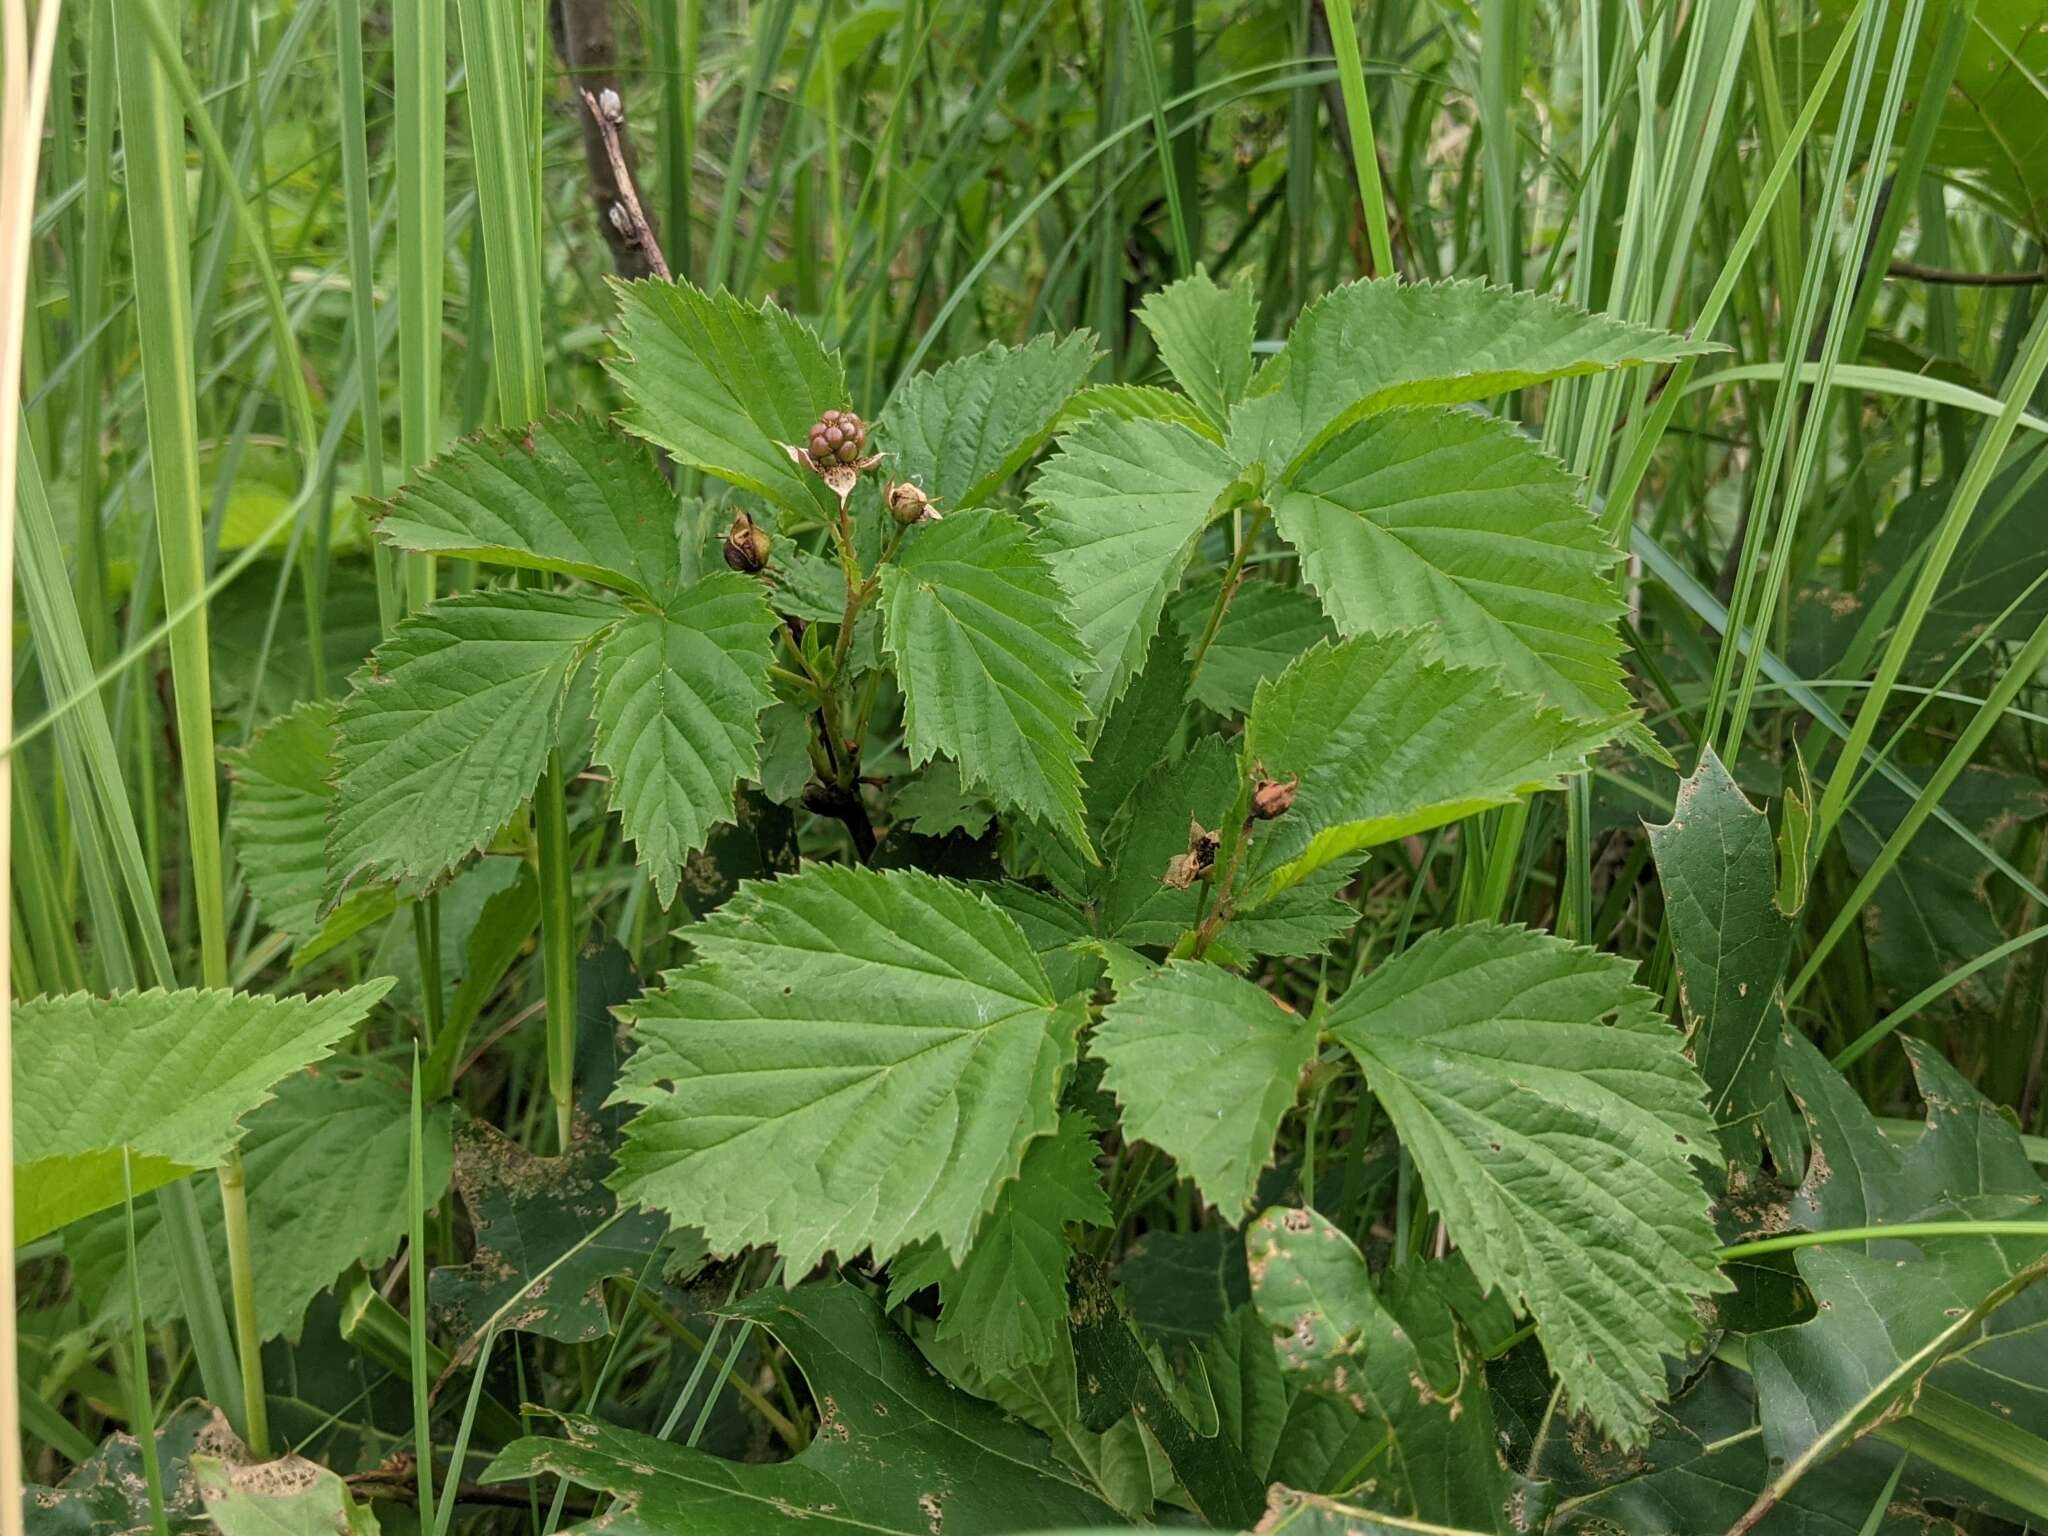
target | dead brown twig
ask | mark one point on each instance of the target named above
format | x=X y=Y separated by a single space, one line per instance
x=627 y=215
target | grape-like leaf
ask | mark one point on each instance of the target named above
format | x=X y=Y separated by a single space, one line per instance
x=168 y=1075
x=1718 y=866
x=1204 y=334
x=1387 y=740
x=1005 y=1303
x=1371 y=345
x=1396 y=1357
x=1442 y=518
x=1121 y=506
x=279 y=815
x=445 y=733
x=989 y=664
x=898 y=1452
x=679 y=700
x=1205 y=1064
x=1554 y=1119
x=857 y=1060
x=960 y=431
x=565 y=494
x=721 y=384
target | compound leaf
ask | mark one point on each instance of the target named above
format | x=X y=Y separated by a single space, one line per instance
x=989 y=664
x=960 y=431
x=1204 y=1064
x=857 y=1060
x=1121 y=506
x=445 y=733
x=168 y=1075
x=1204 y=334
x=679 y=699
x=566 y=494
x=1005 y=1304
x=1386 y=740
x=1554 y=1119
x=721 y=384
x=1434 y=518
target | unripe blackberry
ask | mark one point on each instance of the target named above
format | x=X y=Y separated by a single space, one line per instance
x=839 y=437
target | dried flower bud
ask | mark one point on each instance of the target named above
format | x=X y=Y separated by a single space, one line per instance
x=1184 y=869
x=1273 y=797
x=907 y=504
x=747 y=545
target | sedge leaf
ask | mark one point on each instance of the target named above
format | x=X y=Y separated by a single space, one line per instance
x=857 y=1061
x=1554 y=1119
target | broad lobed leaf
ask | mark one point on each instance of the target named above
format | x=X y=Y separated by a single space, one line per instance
x=858 y=1060
x=1554 y=1119
x=566 y=494
x=960 y=431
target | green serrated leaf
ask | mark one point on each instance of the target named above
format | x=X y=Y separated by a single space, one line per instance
x=1396 y=1357
x=1204 y=334
x=278 y=815
x=1554 y=1119
x=566 y=494
x=1435 y=518
x=679 y=700
x=1719 y=871
x=325 y=1164
x=1004 y=1304
x=169 y=1075
x=1137 y=402
x=1121 y=506
x=960 y=431
x=1205 y=1064
x=935 y=803
x=1265 y=628
x=1388 y=740
x=721 y=384
x=990 y=666
x=857 y=1061
x=1379 y=343
x=445 y=733
x=952 y=1461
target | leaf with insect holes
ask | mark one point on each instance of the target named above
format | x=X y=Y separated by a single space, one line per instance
x=898 y=1451
x=857 y=1060
x=1388 y=740
x=960 y=431
x=1391 y=1352
x=287 y=1497
x=566 y=494
x=108 y=1493
x=679 y=699
x=721 y=385
x=1121 y=506
x=989 y=665
x=168 y=1075
x=1445 y=519
x=1204 y=1065
x=445 y=733
x=1380 y=343
x=1005 y=1303
x=278 y=815
x=1204 y=334
x=327 y=1172
x=1718 y=865
x=1554 y=1120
